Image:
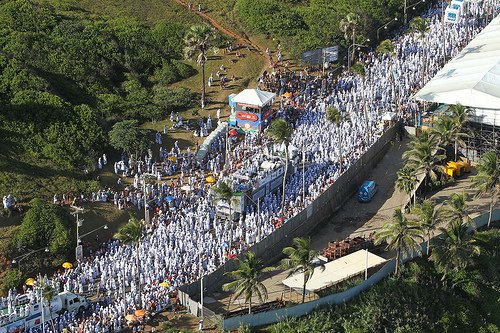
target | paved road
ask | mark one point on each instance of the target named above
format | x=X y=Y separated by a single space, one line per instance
x=355 y=218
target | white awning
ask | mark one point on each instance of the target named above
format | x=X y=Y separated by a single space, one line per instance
x=254 y=97
x=472 y=78
x=335 y=271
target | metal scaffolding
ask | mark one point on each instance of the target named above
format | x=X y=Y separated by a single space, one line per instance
x=481 y=139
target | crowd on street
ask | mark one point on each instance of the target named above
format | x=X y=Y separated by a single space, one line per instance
x=186 y=238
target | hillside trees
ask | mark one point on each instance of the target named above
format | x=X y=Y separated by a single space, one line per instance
x=303 y=25
x=67 y=77
x=44 y=226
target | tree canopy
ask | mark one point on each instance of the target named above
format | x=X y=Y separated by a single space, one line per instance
x=66 y=77
x=43 y=225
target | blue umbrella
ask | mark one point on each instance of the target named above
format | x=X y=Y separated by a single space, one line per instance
x=169 y=198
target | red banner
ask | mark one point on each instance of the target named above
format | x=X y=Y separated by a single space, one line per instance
x=247 y=116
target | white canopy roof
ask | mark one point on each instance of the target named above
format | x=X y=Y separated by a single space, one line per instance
x=472 y=78
x=254 y=97
x=335 y=271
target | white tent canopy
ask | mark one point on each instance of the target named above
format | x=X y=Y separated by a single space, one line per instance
x=254 y=97
x=472 y=78
x=335 y=271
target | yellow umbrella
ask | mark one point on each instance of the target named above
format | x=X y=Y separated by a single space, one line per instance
x=165 y=284
x=172 y=158
x=210 y=179
x=67 y=265
x=30 y=281
x=140 y=313
x=287 y=94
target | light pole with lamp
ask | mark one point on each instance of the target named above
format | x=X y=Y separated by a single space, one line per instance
x=405 y=20
x=79 y=240
x=349 y=52
x=79 y=222
x=385 y=27
x=20 y=258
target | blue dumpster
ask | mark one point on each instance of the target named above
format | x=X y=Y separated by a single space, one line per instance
x=367 y=190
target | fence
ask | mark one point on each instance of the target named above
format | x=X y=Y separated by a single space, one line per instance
x=321 y=209
x=273 y=316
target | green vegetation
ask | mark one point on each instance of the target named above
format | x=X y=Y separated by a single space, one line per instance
x=281 y=132
x=401 y=235
x=487 y=181
x=334 y=116
x=66 y=77
x=44 y=226
x=225 y=193
x=198 y=41
x=308 y=24
x=247 y=279
x=127 y=136
x=11 y=279
x=131 y=234
x=420 y=299
x=300 y=259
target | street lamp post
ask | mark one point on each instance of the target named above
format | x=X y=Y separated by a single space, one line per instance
x=79 y=223
x=349 y=52
x=79 y=254
x=20 y=258
x=385 y=27
x=405 y=20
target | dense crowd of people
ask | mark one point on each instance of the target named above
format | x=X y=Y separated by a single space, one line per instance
x=186 y=238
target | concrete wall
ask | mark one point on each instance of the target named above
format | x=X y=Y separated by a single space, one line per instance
x=321 y=209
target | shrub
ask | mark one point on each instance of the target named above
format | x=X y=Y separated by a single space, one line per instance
x=11 y=279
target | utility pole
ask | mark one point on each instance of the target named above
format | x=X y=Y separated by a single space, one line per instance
x=43 y=309
x=303 y=176
x=405 y=15
x=79 y=223
x=444 y=31
x=366 y=265
x=258 y=219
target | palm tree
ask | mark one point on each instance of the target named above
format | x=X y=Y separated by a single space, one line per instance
x=334 y=116
x=453 y=250
x=423 y=156
x=225 y=193
x=348 y=26
x=428 y=218
x=459 y=114
x=421 y=27
x=281 y=133
x=199 y=40
x=386 y=47
x=401 y=235
x=456 y=209
x=246 y=279
x=406 y=180
x=300 y=260
x=131 y=233
x=443 y=132
x=487 y=181
x=48 y=294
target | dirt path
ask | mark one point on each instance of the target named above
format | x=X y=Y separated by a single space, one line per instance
x=218 y=26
